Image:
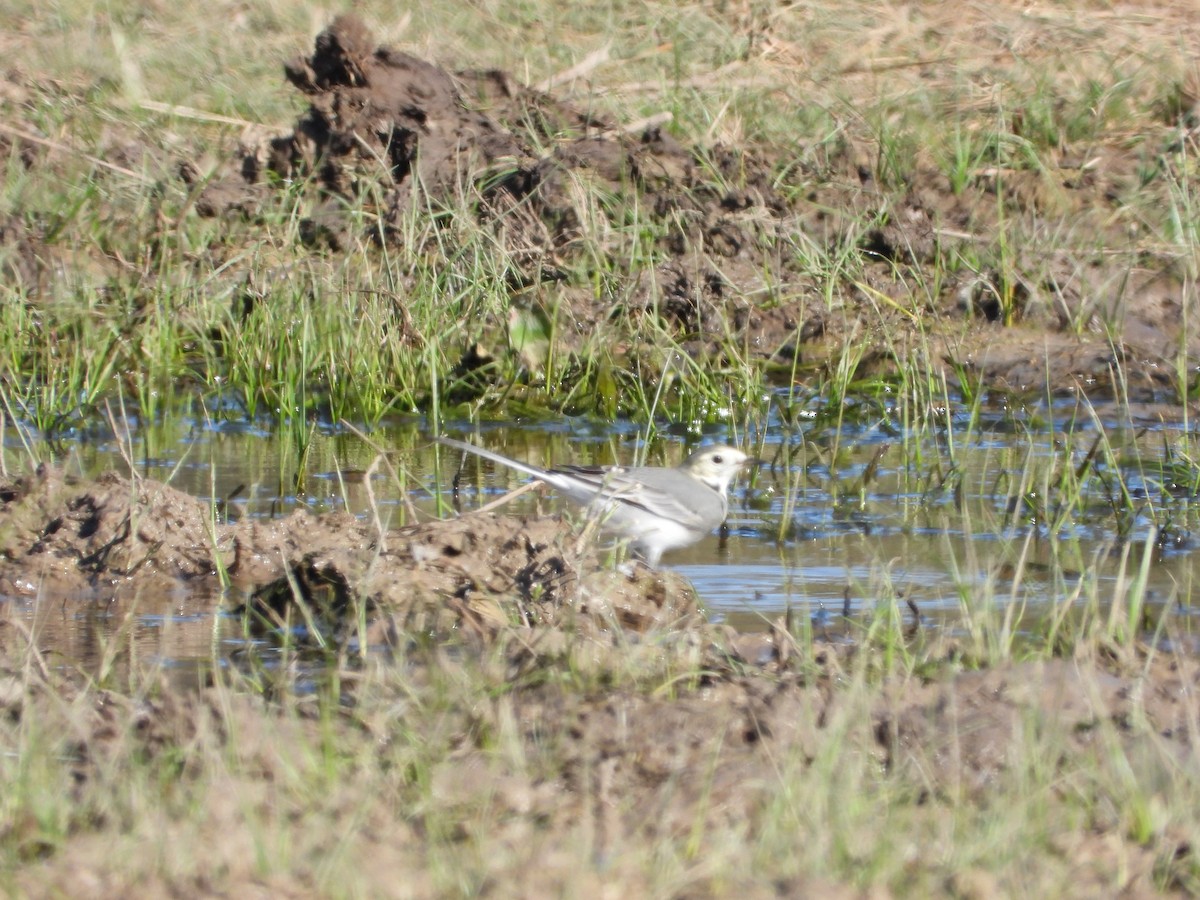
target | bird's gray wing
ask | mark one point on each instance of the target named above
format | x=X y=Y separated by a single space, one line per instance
x=666 y=493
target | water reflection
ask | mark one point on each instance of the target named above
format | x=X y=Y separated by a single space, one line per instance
x=108 y=641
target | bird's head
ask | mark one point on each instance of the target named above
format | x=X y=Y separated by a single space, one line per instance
x=717 y=466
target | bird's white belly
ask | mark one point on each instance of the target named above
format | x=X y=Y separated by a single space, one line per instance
x=645 y=531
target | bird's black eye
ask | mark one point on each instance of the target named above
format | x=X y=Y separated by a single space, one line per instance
x=718 y=459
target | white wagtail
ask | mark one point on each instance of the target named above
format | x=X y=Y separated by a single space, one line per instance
x=657 y=509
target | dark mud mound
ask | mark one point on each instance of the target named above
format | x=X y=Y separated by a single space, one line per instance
x=115 y=539
x=380 y=117
x=380 y=109
x=385 y=130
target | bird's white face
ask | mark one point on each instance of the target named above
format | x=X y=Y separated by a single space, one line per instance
x=716 y=466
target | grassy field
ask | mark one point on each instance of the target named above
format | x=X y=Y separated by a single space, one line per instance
x=661 y=764
x=838 y=208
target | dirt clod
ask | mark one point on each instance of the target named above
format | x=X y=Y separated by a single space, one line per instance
x=116 y=539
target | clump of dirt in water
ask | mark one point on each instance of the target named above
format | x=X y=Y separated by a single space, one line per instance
x=115 y=539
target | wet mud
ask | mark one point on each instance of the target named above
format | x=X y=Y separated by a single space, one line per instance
x=114 y=540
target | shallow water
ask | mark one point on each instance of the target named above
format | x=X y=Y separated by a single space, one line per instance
x=836 y=519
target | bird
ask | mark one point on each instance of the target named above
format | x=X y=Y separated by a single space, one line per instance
x=656 y=508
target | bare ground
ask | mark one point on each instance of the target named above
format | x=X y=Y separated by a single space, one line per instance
x=114 y=540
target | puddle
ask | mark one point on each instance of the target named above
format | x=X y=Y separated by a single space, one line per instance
x=105 y=641
x=954 y=522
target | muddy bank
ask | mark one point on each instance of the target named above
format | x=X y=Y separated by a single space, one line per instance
x=387 y=133
x=1046 y=260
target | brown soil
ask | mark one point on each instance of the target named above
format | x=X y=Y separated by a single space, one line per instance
x=382 y=123
x=385 y=129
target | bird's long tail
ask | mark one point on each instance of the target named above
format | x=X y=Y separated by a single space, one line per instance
x=497 y=458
